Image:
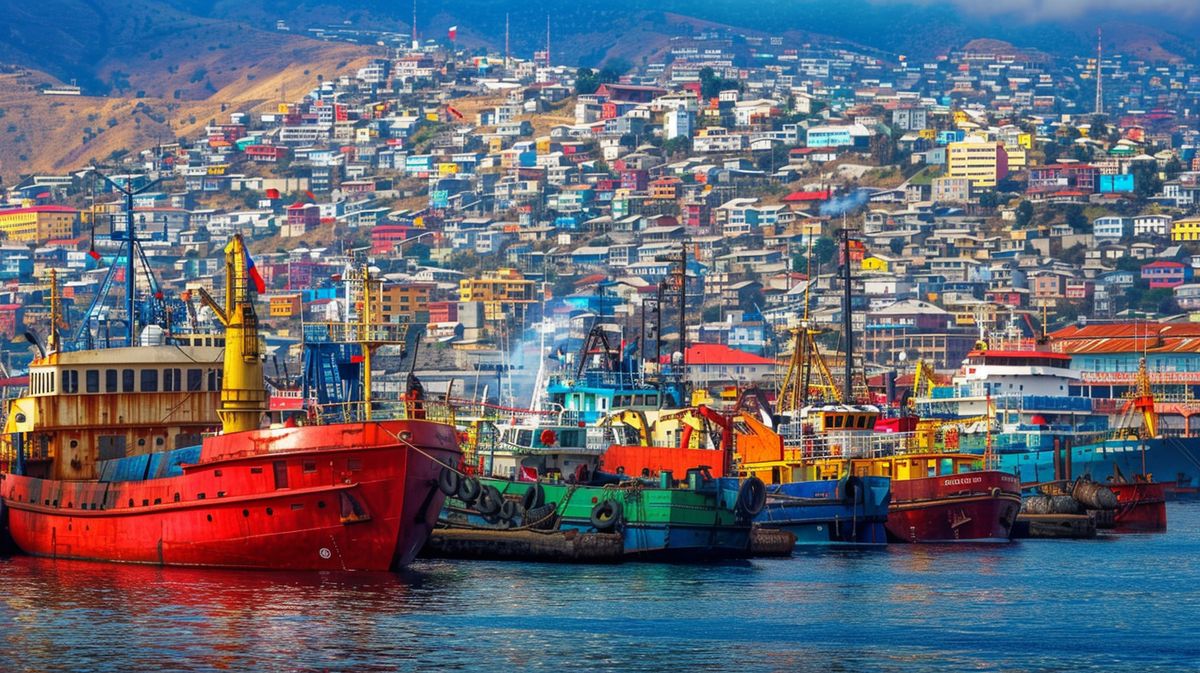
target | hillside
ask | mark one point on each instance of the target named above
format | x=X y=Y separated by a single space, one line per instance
x=177 y=75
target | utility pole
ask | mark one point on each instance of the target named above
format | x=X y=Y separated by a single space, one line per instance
x=506 y=43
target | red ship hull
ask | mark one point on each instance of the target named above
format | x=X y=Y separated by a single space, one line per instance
x=359 y=496
x=967 y=507
x=1142 y=507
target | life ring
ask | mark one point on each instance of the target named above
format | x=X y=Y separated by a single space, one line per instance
x=449 y=481
x=606 y=514
x=534 y=496
x=751 y=497
x=490 y=501
x=995 y=491
x=508 y=511
x=468 y=490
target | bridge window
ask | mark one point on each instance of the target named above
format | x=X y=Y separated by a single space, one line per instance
x=149 y=380
x=110 y=380
x=91 y=380
x=70 y=381
x=195 y=380
x=127 y=379
x=172 y=380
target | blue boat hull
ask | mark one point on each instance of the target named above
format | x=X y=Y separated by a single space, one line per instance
x=1173 y=461
x=818 y=513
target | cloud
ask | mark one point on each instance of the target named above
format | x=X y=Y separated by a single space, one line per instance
x=1045 y=10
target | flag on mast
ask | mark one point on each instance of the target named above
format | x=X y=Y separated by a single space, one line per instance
x=453 y=33
x=260 y=286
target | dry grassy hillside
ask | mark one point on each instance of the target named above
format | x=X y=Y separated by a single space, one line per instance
x=59 y=133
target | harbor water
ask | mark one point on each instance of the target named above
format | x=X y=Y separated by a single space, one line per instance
x=1120 y=604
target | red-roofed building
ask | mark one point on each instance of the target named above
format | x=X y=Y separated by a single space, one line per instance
x=710 y=364
x=1165 y=273
x=805 y=197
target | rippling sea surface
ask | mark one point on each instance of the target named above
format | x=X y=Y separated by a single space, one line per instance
x=1127 y=603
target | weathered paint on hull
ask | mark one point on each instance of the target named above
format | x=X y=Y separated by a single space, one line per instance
x=1142 y=507
x=340 y=497
x=966 y=507
x=669 y=524
x=817 y=513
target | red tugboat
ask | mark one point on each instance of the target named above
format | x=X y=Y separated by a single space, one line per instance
x=346 y=496
x=967 y=506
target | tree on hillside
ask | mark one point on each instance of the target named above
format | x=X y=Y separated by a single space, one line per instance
x=1145 y=179
x=1024 y=214
x=586 y=81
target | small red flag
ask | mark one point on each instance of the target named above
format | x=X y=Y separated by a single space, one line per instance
x=44 y=195
x=356 y=358
x=310 y=195
x=95 y=255
x=454 y=112
x=453 y=33
x=158 y=295
x=272 y=193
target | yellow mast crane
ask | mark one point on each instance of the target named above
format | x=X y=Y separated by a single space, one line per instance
x=797 y=384
x=243 y=392
x=924 y=380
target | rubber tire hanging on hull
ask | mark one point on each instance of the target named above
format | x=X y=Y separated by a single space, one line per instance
x=751 y=497
x=490 y=501
x=606 y=514
x=534 y=497
x=469 y=490
x=449 y=481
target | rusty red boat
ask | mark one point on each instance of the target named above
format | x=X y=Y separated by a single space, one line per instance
x=89 y=474
x=964 y=507
x=1141 y=506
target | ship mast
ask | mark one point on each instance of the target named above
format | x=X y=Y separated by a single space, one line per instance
x=847 y=322
x=243 y=394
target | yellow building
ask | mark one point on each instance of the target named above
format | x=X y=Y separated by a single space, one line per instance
x=1017 y=158
x=983 y=163
x=403 y=302
x=874 y=263
x=284 y=305
x=499 y=291
x=1186 y=230
x=38 y=223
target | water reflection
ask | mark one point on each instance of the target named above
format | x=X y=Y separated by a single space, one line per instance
x=1119 y=605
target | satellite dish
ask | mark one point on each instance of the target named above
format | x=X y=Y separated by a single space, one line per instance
x=902 y=356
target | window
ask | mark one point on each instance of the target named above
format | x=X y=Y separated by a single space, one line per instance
x=91 y=379
x=172 y=380
x=70 y=381
x=127 y=380
x=110 y=380
x=195 y=380
x=149 y=380
x=281 y=475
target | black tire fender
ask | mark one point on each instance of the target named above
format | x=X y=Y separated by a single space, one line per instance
x=606 y=515
x=534 y=497
x=468 y=490
x=751 y=497
x=448 y=481
x=490 y=501
x=508 y=511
